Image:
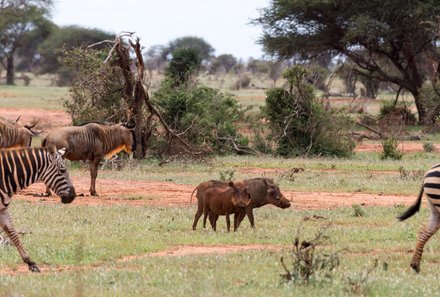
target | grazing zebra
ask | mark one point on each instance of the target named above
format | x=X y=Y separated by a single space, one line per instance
x=14 y=135
x=20 y=168
x=92 y=142
x=430 y=186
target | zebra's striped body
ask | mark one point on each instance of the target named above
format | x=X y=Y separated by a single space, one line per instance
x=431 y=187
x=20 y=168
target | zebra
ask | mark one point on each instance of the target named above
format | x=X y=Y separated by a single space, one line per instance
x=430 y=186
x=19 y=168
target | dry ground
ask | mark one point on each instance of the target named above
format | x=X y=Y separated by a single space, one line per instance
x=171 y=194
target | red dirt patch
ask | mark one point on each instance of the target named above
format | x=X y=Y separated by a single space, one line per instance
x=170 y=194
x=405 y=146
x=43 y=117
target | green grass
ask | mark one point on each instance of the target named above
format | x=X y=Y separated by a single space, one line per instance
x=93 y=238
x=364 y=173
x=31 y=97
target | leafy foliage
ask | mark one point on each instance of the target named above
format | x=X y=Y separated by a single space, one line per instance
x=95 y=94
x=400 y=110
x=390 y=149
x=300 y=122
x=207 y=116
x=223 y=62
x=392 y=41
x=203 y=49
x=67 y=38
x=184 y=64
x=18 y=20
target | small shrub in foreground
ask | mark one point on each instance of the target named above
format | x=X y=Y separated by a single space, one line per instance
x=390 y=150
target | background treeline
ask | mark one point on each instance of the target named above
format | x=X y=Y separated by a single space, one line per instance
x=159 y=88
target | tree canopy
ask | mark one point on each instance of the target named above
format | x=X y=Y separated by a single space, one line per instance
x=18 y=19
x=402 y=35
x=67 y=38
x=203 y=48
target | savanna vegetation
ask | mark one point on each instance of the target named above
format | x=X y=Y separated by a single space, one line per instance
x=343 y=72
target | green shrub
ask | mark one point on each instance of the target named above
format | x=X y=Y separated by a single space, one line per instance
x=400 y=110
x=96 y=91
x=429 y=147
x=205 y=116
x=300 y=122
x=390 y=150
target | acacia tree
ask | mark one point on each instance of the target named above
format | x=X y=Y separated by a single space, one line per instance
x=17 y=20
x=403 y=35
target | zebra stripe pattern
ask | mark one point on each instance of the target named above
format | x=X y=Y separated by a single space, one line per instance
x=20 y=168
x=430 y=186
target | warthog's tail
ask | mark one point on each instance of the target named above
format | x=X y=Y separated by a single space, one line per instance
x=190 y=199
x=413 y=208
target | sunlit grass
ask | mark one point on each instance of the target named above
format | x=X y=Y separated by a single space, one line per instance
x=31 y=97
x=105 y=235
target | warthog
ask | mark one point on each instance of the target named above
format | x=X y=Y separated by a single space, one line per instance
x=225 y=201
x=92 y=142
x=15 y=135
x=262 y=190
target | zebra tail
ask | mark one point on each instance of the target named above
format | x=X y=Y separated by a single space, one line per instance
x=413 y=208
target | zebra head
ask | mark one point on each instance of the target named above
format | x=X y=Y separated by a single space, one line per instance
x=57 y=178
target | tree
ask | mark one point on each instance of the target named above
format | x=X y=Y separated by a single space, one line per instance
x=17 y=20
x=203 y=48
x=68 y=38
x=300 y=122
x=184 y=64
x=403 y=35
x=225 y=62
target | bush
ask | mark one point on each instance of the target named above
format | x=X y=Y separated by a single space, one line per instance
x=429 y=147
x=400 y=110
x=96 y=92
x=204 y=115
x=390 y=150
x=300 y=122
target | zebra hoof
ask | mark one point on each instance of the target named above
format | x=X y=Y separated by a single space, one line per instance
x=415 y=267
x=34 y=268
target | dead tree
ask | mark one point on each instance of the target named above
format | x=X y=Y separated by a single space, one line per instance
x=135 y=94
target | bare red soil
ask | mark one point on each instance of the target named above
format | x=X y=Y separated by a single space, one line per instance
x=41 y=116
x=170 y=194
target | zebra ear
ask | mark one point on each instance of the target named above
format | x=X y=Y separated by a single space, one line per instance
x=62 y=151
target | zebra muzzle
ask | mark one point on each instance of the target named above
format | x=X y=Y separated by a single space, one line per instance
x=69 y=196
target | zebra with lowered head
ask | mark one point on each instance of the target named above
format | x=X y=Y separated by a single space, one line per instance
x=20 y=168
x=430 y=186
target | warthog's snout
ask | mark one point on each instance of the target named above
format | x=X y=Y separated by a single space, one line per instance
x=68 y=196
x=285 y=203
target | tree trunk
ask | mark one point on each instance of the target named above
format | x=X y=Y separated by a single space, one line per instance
x=10 y=70
x=420 y=107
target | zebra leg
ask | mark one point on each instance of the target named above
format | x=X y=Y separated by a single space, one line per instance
x=8 y=227
x=424 y=235
x=93 y=174
x=48 y=191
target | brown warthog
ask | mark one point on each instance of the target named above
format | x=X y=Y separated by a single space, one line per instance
x=92 y=142
x=15 y=135
x=262 y=190
x=225 y=201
